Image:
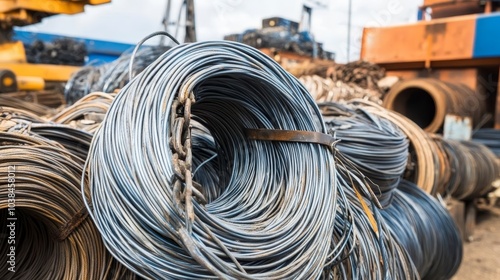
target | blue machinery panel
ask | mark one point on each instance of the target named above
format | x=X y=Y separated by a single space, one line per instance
x=487 y=41
x=98 y=51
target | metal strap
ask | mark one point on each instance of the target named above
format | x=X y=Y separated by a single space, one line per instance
x=299 y=136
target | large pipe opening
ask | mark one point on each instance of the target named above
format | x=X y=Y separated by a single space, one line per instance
x=416 y=104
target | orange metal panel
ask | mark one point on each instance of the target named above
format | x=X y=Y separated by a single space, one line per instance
x=467 y=76
x=436 y=2
x=12 y=52
x=428 y=3
x=442 y=39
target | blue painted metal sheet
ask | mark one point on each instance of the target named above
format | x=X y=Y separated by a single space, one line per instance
x=487 y=38
x=99 y=51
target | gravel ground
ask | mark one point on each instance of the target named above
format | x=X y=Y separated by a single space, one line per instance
x=481 y=259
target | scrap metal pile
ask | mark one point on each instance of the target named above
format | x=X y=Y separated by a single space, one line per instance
x=214 y=162
x=62 y=51
x=355 y=80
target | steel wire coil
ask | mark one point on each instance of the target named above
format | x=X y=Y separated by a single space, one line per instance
x=111 y=76
x=328 y=90
x=20 y=104
x=378 y=254
x=427 y=231
x=473 y=168
x=423 y=168
x=274 y=214
x=377 y=147
x=489 y=137
x=47 y=200
x=52 y=97
x=87 y=113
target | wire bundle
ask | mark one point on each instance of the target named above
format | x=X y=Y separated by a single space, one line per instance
x=377 y=253
x=111 y=76
x=328 y=90
x=488 y=137
x=273 y=216
x=87 y=113
x=427 y=231
x=473 y=169
x=374 y=145
x=19 y=104
x=273 y=210
x=49 y=209
x=423 y=169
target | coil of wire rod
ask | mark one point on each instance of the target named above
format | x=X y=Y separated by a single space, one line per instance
x=427 y=231
x=423 y=169
x=328 y=90
x=37 y=109
x=11 y=116
x=427 y=101
x=446 y=182
x=109 y=77
x=87 y=113
x=377 y=147
x=489 y=137
x=269 y=193
x=378 y=255
x=53 y=239
x=473 y=168
x=51 y=98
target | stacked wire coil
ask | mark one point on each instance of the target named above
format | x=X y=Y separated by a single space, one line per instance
x=377 y=147
x=427 y=231
x=270 y=215
x=52 y=238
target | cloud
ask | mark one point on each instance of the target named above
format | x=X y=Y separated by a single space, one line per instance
x=130 y=20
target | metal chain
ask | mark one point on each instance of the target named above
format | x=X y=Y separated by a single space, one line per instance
x=180 y=144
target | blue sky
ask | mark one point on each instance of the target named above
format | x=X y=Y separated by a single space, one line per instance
x=130 y=20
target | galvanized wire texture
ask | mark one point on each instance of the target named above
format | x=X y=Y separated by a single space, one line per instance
x=260 y=209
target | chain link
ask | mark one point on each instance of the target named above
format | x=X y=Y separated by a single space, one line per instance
x=180 y=144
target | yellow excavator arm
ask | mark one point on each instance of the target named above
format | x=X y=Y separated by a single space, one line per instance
x=14 y=69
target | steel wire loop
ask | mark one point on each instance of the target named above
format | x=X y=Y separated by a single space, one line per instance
x=208 y=202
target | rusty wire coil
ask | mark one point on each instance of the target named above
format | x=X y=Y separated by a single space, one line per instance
x=54 y=239
x=328 y=90
x=87 y=113
x=426 y=230
x=19 y=104
x=428 y=101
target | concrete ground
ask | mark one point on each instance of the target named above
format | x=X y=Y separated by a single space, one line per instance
x=481 y=260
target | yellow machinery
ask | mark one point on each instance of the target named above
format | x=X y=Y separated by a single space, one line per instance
x=15 y=72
